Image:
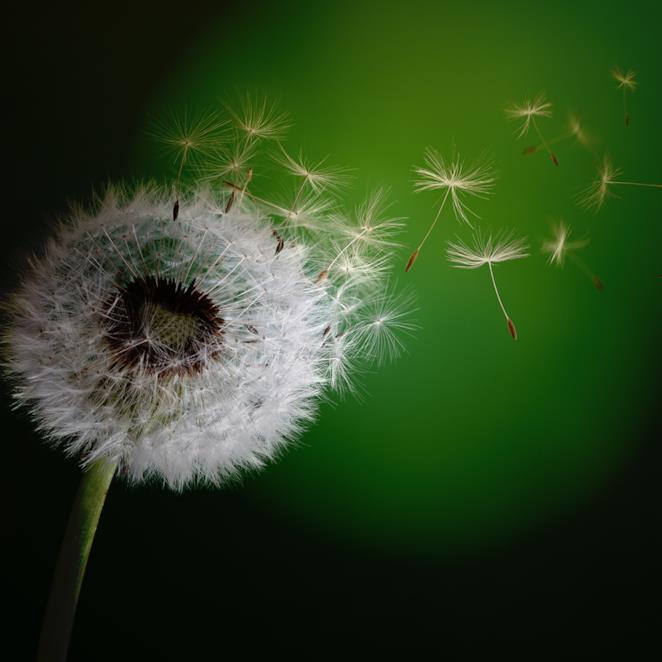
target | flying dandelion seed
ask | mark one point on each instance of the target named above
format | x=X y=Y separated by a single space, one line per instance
x=575 y=131
x=489 y=251
x=457 y=181
x=559 y=247
x=628 y=83
x=259 y=120
x=371 y=231
x=189 y=351
x=594 y=195
x=527 y=112
x=188 y=136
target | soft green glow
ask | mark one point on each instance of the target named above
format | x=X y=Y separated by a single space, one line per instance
x=471 y=437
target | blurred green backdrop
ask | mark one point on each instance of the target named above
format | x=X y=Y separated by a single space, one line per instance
x=469 y=437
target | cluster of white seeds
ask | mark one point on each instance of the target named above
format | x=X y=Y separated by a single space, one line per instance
x=190 y=332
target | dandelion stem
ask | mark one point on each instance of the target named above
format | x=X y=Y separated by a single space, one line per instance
x=72 y=561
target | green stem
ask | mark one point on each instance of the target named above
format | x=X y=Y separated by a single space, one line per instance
x=71 y=563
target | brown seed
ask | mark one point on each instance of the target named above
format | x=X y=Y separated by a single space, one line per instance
x=598 y=284
x=175 y=210
x=555 y=161
x=412 y=259
x=229 y=203
x=323 y=275
x=531 y=149
x=512 y=329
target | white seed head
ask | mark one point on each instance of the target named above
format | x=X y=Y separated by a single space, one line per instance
x=485 y=250
x=456 y=179
x=527 y=111
x=192 y=349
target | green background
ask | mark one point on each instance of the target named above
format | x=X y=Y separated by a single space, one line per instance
x=480 y=482
x=470 y=437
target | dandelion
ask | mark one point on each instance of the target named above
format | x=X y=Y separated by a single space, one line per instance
x=187 y=352
x=457 y=181
x=528 y=111
x=189 y=135
x=575 y=131
x=627 y=82
x=489 y=251
x=559 y=247
x=594 y=195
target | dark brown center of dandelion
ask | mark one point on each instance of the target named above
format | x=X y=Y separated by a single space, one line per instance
x=161 y=326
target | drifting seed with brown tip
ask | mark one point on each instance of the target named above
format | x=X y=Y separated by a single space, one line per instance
x=412 y=259
x=512 y=329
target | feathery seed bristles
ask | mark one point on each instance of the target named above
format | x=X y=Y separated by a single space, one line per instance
x=256 y=119
x=190 y=134
x=387 y=320
x=486 y=250
x=228 y=161
x=457 y=181
x=315 y=175
x=625 y=79
x=577 y=130
x=527 y=111
x=453 y=176
x=593 y=196
x=626 y=82
x=559 y=247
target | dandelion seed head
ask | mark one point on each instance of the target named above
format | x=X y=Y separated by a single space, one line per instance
x=528 y=110
x=192 y=349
